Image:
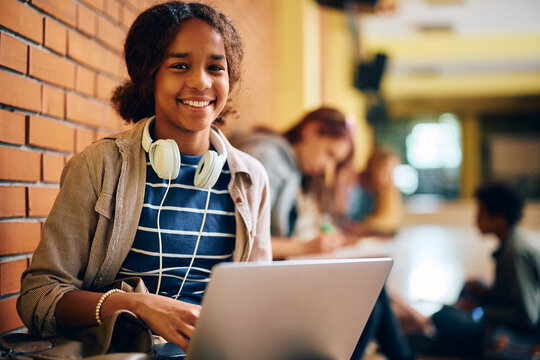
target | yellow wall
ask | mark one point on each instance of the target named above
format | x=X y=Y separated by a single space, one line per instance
x=297 y=59
x=337 y=53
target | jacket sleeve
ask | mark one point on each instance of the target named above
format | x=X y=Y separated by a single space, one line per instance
x=59 y=262
x=284 y=183
x=262 y=246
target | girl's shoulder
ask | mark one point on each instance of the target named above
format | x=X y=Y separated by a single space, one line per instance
x=240 y=161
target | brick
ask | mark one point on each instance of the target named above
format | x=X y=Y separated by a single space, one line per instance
x=123 y=71
x=141 y=5
x=84 y=110
x=64 y=10
x=115 y=64
x=83 y=138
x=13 y=201
x=21 y=19
x=86 y=51
x=51 y=134
x=52 y=165
x=27 y=234
x=94 y=55
x=53 y=101
x=41 y=200
x=96 y=4
x=86 y=20
x=55 y=36
x=112 y=119
x=10 y=318
x=20 y=91
x=52 y=68
x=128 y=16
x=110 y=34
x=10 y=275
x=13 y=53
x=21 y=165
x=112 y=8
x=85 y=81
x=12 y=127
x=105 y=87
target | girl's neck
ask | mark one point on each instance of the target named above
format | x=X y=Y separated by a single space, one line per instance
x=502 y=234
x=189 y=142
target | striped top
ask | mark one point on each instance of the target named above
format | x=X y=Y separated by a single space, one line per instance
x=179 y=222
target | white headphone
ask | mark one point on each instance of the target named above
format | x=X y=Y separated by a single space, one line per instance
x=165 y=158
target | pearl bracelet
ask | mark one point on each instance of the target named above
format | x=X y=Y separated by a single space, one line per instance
x=100 y=303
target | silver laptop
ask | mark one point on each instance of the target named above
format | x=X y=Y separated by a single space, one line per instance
x=305 y=309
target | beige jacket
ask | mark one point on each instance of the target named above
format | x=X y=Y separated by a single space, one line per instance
x=93 y=222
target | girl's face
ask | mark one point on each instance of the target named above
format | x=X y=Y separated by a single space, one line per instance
x=488 y=223
x=192 y=84
x=317 y=152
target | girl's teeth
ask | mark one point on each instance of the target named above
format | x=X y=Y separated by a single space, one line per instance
x=196 y=103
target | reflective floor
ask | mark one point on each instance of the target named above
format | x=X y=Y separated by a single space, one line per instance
x=431 y=262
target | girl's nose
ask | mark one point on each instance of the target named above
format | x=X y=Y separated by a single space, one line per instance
x=199 y=80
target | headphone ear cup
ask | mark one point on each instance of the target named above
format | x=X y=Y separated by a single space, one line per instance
x=208 y=170
x=165 y=158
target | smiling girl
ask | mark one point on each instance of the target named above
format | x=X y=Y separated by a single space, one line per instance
x=164 y=201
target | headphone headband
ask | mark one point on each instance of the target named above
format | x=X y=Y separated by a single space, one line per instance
x=146 y=138
x=217 y=141
x=209 y=166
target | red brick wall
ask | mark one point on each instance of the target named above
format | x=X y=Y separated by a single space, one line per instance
x=59 y=62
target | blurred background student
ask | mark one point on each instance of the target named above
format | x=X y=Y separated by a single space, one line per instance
x=319 y=143
x=502 y=317
x=367 y=202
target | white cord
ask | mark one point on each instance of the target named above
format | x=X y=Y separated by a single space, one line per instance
x=196 y=245
x=159 y=236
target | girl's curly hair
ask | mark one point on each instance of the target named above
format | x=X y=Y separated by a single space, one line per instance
x=145 y=50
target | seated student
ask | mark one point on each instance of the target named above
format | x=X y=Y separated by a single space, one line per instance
x=370 y=202
x=320 y=142
x=136 y=204
x=512 y=301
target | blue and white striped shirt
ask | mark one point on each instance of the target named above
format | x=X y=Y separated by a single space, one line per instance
x=180 y=221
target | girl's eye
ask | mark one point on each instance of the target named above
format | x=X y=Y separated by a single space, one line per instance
x=216 y=68
x=180 y=66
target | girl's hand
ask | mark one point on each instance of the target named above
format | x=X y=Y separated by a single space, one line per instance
x=358 y=229
x=171 y=319
x=325 y=243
